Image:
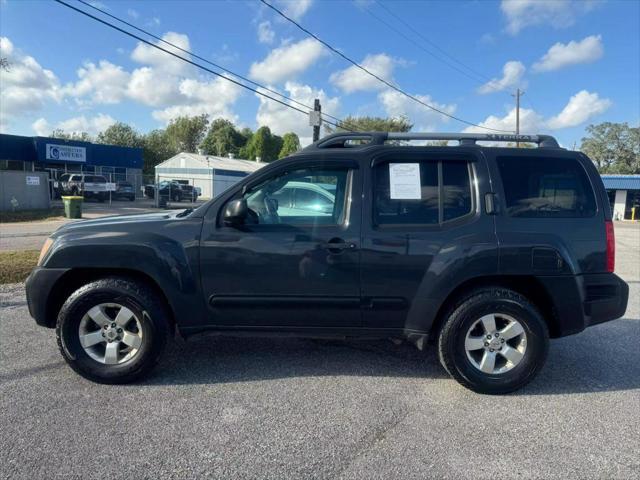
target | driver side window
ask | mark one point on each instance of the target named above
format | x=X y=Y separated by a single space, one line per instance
x=300 y=197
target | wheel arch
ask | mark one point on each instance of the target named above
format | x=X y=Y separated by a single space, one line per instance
x=526 y=285
x=77 y=277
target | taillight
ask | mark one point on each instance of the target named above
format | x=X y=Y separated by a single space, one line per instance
x=611 y=246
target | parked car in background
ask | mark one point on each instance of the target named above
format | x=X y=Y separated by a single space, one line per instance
x=189 y=192
x=124 y=190
x=484 y=252
x=300 y=198
x=87 y=186
x=169 y=189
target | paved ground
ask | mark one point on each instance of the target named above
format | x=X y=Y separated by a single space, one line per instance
x=31 y=235
x=301 y=409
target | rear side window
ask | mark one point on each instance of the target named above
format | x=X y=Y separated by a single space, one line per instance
x=541 y=187
x=444 y=194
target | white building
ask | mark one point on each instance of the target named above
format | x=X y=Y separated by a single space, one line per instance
x=213 y=175
x=624 y=195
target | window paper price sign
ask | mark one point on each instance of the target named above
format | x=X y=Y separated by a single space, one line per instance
x=404 y=181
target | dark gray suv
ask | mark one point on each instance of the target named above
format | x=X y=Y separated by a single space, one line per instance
x=485 y=252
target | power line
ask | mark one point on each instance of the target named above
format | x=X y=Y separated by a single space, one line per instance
x=433 y=44
x=421 y=47
x=380 y=79
x=104 y=22
x=173 y=45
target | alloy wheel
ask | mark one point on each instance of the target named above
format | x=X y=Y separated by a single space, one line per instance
x=495 y=343
x=110 y=333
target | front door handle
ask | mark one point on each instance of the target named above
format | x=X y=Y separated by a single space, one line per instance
x=336 y=245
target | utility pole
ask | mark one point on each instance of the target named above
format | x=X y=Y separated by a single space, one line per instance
x=518 y=94
x=315 y=119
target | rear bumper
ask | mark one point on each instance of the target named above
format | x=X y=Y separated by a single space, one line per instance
x=584 y=300
x=39 y=285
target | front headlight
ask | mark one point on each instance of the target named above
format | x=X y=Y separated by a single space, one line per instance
x=45 y=249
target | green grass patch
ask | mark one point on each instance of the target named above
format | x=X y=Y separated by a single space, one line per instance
x=31 y=215
x=16 y=266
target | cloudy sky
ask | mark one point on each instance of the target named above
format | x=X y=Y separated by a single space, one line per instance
x=578 y=62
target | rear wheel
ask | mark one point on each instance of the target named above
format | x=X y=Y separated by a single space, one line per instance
x=112 y=330
x=494 y=341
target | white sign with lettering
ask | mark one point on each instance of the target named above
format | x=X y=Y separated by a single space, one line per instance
x=404 y=181
x=66 y=153
x=33 y=180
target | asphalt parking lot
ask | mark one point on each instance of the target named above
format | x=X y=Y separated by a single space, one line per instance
x=291 y=408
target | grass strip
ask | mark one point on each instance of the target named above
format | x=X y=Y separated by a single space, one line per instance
x=31 y=215
x=16 y=266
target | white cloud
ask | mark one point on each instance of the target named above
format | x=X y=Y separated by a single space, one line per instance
x=562 y=55
x=26 y=87
x=153 y=87
x=354 y=79
x=581 y=107
x=424 y=119
x=530 y=122
x=214 y=98
x=266 y=33
x=159 y=60
x=41 y=127
x=296 y=8
x=91 y=125
x=282 y=119
x=512 y=73
x=103 y=83
x=133 y=13
x=287 y=61
x=557 y=13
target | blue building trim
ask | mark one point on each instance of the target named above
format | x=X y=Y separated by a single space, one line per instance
x=34 y=149
x=621 y=182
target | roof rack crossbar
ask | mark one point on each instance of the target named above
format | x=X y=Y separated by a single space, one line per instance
x=465 y=139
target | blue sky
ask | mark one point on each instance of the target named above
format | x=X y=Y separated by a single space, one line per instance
x=578 y=62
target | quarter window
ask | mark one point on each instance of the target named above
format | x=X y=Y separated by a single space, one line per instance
x=546 y=187
x=426 y=203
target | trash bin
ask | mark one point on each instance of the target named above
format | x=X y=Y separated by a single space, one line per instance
x=72 y=206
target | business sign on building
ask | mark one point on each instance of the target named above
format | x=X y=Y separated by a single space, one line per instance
x=66 y=153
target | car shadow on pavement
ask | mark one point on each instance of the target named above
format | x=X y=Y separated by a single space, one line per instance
x=603 y=358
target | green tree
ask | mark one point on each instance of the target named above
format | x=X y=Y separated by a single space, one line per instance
x=157 y=148
x=77 y=136
x=120 y=134
x=613 y=147
x=290 y=144
x=223 y=138
x=263 y=145
x=373 y=124
x=186 y=133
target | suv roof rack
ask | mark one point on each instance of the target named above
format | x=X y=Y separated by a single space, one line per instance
x=343 y=139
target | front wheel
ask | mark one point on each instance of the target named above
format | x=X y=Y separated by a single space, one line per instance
x=112 y=330
x=494 y=341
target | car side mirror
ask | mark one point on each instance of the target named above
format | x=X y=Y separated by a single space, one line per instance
x=235 y=212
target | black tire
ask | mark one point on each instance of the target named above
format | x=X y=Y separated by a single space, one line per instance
x=451 y=342
x=138 y=298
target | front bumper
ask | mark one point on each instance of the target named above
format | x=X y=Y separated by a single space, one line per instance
x=39 y=287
